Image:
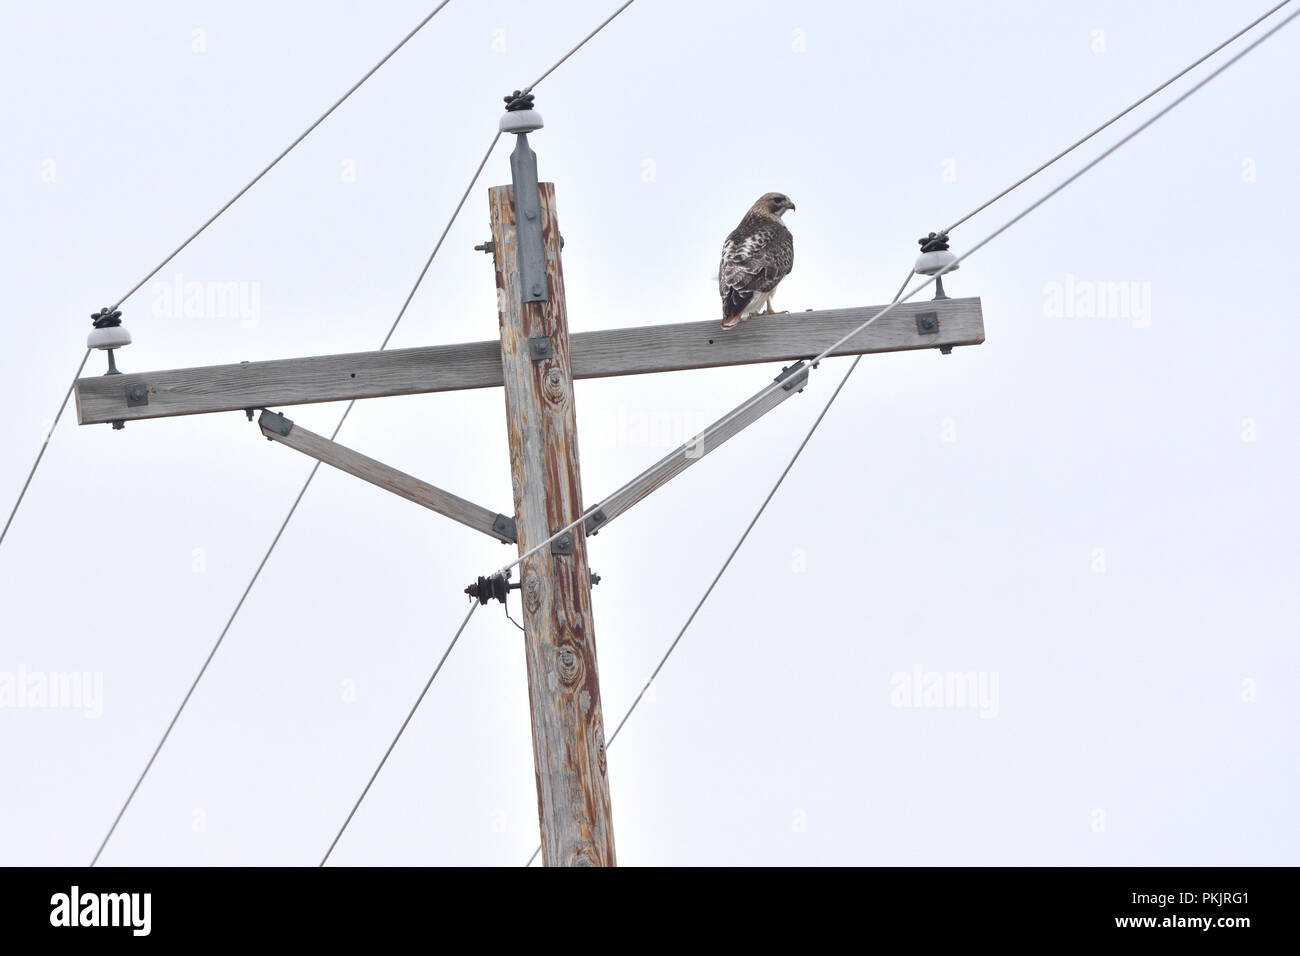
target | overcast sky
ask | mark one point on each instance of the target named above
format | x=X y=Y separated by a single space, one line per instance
x=1091 y=516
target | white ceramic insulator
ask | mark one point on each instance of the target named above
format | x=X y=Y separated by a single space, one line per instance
x=111 y=338
x=521 y=121
x=932 y=263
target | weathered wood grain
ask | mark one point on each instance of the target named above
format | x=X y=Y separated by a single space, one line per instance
x=286 y=382
x=610 y=352
x=385 y=476
x=560 y=644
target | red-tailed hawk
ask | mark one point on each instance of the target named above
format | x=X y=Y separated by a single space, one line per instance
x=757 y=255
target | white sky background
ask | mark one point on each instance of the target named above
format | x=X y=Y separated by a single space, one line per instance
x=947 y=515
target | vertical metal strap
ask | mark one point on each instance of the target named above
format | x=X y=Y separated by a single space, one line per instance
x=528 y=219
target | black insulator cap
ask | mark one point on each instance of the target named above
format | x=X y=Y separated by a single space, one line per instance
x=519 y=100
x=105 y=319
x=934 y=242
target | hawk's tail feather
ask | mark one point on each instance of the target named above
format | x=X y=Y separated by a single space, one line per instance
x=733 y=306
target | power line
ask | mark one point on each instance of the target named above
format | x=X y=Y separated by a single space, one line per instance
x=920 y=287
x=294 y=507
x=44 y=445
x=581 y=43
x=1120 y=115
x=414 y=707
x=194 y=235
x=826 y=408
x=199 y=676
x=727 y=563
x=460 y=204
x=374 y=775
x=812 y=363
x=744 y=535
x=285 y=152
x=343 y=418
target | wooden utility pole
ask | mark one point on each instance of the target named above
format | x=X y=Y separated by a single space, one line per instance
x=559 y=635
x=536 y=361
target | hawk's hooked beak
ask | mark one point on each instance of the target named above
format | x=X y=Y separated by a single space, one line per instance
x=790 y=206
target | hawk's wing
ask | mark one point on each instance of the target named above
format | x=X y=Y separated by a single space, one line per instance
x=755 y=258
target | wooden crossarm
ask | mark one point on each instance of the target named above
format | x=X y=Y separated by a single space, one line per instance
x=633 y=351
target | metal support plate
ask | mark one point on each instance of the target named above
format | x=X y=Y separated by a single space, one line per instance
x=528 y=220
x=275 y=422
x=505 y=527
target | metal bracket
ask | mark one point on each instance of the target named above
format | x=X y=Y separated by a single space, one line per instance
x=275 y=422
x=563 y=544
x=506 y=528
x=927 y=323
x=528 y=221
x=137 y=395
x=540 y=348
x=594 y=520
x=797 y=375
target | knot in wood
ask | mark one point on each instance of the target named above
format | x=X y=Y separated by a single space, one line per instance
x=568 y=664
x=532 y=593
x=554 y=386
x=584 y=855
x=598 y=731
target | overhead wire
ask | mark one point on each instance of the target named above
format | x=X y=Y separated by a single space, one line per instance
x=296 y=501
x=1118 y=116
x=44 y=445
x=744 y=536
x=316 y=466
x=194 y=235
x=527 y=89
x=900 y=298
x=411 y=713
x=578 y=46
x=813 y=362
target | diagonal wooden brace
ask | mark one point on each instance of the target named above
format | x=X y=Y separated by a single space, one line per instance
x=280 y=429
